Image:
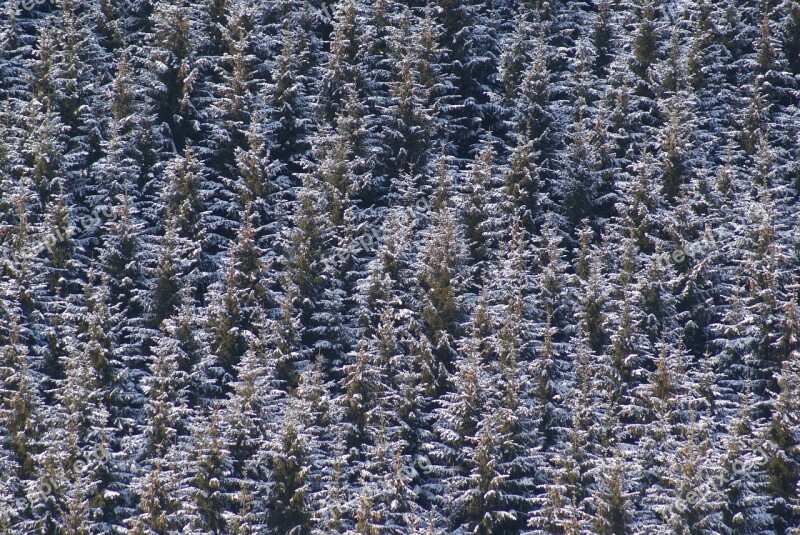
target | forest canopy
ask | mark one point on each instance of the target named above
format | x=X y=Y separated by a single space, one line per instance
x=399 y=267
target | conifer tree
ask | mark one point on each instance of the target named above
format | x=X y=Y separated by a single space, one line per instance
x=287 y=500
x=156 y=502
x=165 y=388
x=289 y=104
x=439 y=270
x=21 y=402
x=206 y=467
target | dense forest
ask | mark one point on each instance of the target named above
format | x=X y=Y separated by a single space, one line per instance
x=397 y=267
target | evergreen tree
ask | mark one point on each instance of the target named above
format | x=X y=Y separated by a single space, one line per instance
x=287 y=458
x=206 y=467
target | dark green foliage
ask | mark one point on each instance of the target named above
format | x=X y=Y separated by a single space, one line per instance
x=454 y=266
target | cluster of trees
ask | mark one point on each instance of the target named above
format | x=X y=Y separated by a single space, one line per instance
x=524 y=336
